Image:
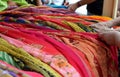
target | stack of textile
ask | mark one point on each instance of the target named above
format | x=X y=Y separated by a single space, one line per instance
x=48 y=42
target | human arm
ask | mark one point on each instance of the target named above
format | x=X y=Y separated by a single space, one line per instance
x=115 y=22
x=74 y=6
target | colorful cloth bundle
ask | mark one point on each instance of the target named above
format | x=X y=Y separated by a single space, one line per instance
x=56 y=43
x=4 y=3
x=6 y=70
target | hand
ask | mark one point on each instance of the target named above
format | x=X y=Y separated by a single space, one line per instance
x=73 y=7
x=66 y=4
x=111 y=37
x=101 y=24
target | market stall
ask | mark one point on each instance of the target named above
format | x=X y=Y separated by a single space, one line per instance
x=41 y=41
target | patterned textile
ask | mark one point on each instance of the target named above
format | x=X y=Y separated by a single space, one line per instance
x=57 y=43
x=7 y=70
x=11 y=60
x=4 y=3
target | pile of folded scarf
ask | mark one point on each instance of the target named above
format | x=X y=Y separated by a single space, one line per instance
x=48 y=42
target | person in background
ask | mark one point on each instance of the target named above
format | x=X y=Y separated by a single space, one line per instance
x=110 y=36
x=45 y=2
x=94 y=7
x=55 y=3
x=4 y=4
x=35 y=2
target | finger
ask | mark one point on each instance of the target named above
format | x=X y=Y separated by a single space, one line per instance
x=99 y=30
x=96 y=30
x=92 y=26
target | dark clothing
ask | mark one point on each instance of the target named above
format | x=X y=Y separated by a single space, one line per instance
x=95 y=7
x=32 y=2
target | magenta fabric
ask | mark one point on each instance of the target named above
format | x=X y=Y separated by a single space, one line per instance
x=55 y=48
